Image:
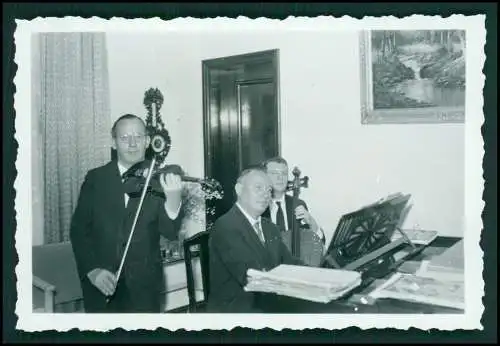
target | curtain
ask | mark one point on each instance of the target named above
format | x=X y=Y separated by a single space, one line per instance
x=75 y=119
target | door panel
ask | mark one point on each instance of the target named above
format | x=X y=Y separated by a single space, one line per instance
x=226 y=156
x=257 y=122
x=240 y=117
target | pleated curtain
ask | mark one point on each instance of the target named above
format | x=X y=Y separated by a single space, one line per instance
x=74 y=116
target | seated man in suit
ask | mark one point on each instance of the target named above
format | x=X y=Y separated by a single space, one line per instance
x=241 y=240
x=312 y=238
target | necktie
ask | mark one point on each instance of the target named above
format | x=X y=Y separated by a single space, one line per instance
x=259 y=232
x=125 y=196
x=280 y=218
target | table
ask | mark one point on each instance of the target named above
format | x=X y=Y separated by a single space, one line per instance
x=353 y=303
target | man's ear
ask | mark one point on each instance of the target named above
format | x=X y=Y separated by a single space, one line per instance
x=237 y=188
x=148 y=141
x=113 y=143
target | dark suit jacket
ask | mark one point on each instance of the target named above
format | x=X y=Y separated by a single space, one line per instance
x=311 y=247
x=99 y=232
x=234 y=248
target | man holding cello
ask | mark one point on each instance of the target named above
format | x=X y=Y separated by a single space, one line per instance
x=291 y=215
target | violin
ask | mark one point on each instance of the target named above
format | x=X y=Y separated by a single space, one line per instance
x=135 y=179
x=143 y=178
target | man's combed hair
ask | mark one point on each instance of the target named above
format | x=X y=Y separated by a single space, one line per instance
x=123 y=117
x=248 y=170
x=276 y=159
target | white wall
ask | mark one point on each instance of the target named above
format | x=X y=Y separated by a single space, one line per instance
x=349 y=164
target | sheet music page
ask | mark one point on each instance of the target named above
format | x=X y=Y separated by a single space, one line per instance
x=308 y=275
x=310 y=283
x=417 y=236
x=427 y=290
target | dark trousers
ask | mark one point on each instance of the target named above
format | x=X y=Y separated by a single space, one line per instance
x=125 y=302
x=120 y=302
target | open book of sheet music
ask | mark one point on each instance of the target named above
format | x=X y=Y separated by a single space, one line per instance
x=309 y=283
x=422 y=289
x=439 y=281
x=417 y=236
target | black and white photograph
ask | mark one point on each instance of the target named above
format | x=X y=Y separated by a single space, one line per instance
x=214 y=173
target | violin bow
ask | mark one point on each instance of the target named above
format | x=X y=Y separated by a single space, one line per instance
x=139 y=208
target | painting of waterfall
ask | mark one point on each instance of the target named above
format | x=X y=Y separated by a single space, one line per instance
x=413 y=76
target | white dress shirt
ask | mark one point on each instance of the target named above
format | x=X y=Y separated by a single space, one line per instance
x=252 y=221
x=171 y=214
x=274 y=210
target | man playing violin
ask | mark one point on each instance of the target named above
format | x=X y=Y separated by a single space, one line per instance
x=102 y=223
x=280 y=212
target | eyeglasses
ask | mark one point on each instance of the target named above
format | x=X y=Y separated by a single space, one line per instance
x=262 y=189
x=278 y=173
x=137 y=138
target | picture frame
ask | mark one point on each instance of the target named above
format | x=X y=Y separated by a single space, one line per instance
x=412 y=76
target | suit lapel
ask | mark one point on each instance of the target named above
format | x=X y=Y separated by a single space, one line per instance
x=273 y=239
x=116 y=193
x=267 y=213
x=248 y=233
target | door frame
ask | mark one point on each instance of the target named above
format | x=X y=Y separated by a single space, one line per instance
x=225 y=63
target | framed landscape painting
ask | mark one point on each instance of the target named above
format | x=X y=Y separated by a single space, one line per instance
x=412 y=76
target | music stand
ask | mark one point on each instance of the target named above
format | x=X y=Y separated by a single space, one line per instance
x=362 y=239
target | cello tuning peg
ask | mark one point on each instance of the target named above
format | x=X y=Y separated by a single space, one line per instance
x=296 y=171
x=306 y=181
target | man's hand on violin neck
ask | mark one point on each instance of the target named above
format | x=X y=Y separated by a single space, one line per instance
x=172 y=187
x=171 y=183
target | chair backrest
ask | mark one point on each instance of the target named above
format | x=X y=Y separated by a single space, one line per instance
x=197 y=246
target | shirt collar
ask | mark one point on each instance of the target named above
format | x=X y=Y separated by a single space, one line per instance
x=121 y=169
x=250 y=218
x=282 y=200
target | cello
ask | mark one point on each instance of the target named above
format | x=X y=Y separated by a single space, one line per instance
x=295 y=185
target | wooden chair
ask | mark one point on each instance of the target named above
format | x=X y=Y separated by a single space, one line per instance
x=43 y=295
x=197 y=247
x=56 y=285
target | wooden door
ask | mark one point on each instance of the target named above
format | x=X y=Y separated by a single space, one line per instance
x=241 y=117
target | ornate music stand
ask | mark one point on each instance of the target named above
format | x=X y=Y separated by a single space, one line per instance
x=362 y=240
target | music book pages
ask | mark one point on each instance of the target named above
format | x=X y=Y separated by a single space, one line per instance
x=420 y=289
x=418 y=237
x=309 y=283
